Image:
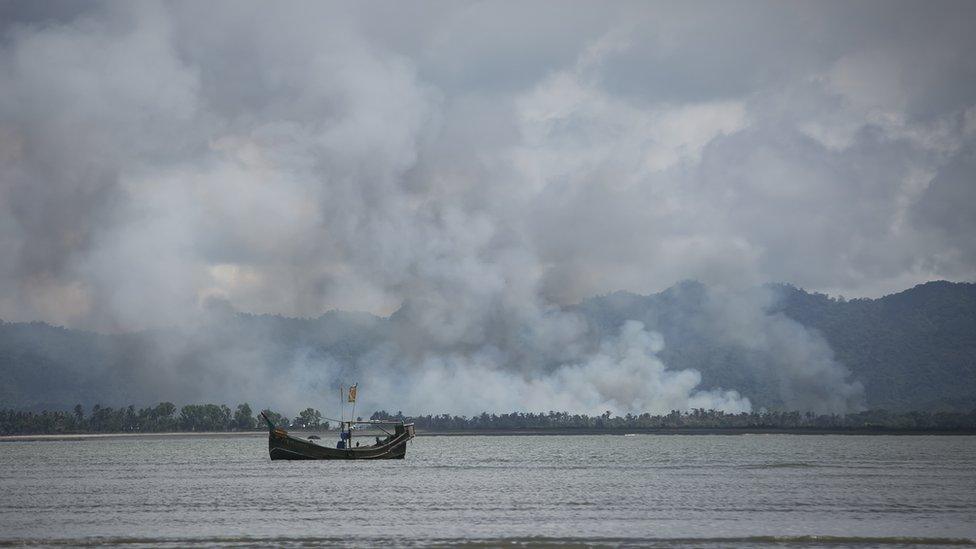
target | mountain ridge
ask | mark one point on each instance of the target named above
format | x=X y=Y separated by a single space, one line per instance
x=914 y=349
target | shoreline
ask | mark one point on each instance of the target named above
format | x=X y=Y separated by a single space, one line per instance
x=685 y=431
x=692 y=431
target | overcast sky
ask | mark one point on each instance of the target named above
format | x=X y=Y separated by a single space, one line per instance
x=159 y=158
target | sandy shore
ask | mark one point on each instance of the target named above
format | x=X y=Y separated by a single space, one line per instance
x=694 y=431
x=84 y=436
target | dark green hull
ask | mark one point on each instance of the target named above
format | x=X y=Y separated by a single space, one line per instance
x=281 y=445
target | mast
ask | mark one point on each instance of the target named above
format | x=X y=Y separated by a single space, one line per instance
x=352 y=398
x=342 y=412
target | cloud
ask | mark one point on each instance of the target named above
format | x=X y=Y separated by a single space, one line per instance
x=482 y=163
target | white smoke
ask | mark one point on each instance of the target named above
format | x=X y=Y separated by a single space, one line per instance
x=622 y=375
x=157 y=158
x=806 y=373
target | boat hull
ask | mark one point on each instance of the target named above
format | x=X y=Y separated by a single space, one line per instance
x=283 y=446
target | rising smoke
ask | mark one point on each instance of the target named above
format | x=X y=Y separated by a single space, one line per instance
x=156 y=160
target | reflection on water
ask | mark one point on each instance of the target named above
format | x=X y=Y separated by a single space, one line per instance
x=776 y=490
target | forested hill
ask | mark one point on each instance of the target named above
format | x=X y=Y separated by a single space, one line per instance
x=912 y=350
x=915 y=350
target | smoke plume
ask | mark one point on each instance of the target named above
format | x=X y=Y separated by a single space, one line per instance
x=474 y=170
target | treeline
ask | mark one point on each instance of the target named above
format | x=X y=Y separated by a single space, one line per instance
x=696 y=419
x=165 y=417
x=162 y=418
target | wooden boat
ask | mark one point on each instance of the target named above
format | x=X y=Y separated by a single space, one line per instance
x=282 y=445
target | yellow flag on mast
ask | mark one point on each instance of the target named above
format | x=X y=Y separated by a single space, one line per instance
x=352 y=393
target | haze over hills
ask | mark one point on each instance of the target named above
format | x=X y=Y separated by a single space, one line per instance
x=914 y=350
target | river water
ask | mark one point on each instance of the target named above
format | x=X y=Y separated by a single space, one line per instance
x=645 y=490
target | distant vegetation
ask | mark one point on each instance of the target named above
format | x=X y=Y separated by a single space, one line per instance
x=164 y=417
x=698 y=419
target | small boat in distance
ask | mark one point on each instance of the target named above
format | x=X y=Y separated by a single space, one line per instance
x=282 y=445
